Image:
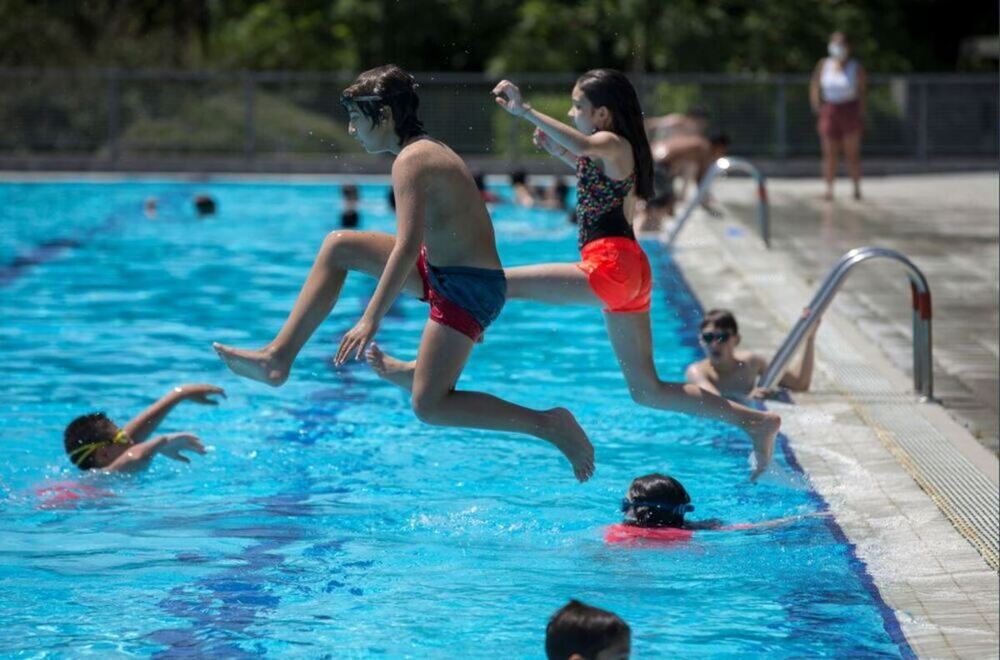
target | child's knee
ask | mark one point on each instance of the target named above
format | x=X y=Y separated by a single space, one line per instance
x=427 y=406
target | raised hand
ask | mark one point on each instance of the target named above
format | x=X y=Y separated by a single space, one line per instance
x=200 y=393
x=508 y=97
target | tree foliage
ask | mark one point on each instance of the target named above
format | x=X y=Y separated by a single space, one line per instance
x=730 y=36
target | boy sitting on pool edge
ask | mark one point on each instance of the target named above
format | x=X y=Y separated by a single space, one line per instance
x=94 y=442
x=733 y=374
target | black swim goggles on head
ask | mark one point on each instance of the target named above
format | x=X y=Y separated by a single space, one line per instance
x=669 y=507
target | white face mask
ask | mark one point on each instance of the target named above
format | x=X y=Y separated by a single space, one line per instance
x=837 y=51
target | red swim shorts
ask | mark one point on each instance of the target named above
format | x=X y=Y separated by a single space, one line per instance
x=463 y=298
x=618 y=272
x=839 y=120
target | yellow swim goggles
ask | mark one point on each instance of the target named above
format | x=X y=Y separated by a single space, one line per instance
x=81 y=453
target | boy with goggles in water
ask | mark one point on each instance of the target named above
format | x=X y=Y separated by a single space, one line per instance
x=94 y=442
x=733 y=374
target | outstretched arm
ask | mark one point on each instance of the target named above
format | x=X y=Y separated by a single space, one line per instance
x=603 y=144
x=138 y=456
x=408 y=185
x=143 y=424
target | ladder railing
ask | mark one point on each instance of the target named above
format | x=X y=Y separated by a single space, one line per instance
x=923 y=368
x=722 y=167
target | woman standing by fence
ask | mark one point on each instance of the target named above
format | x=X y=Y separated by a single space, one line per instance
x=837 y=94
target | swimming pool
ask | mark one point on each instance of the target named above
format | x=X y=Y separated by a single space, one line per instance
x=326 y=519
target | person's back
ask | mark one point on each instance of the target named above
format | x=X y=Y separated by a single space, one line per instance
x=458 y=230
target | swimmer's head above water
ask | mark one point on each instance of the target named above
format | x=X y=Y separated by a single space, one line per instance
x=578 y=631
x=656 y=500
x=382 y=107
x=718 y=334
x=93 y=441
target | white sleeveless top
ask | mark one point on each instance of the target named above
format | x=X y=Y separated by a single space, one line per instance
x=839 y=86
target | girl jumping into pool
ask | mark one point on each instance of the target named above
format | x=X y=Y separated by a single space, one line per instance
x=444 y=252
x=614 y=167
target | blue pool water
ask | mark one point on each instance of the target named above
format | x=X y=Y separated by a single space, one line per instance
x=326 y=519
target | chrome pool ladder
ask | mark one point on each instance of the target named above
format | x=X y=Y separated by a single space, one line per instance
x=722 y=167
x=923 y=368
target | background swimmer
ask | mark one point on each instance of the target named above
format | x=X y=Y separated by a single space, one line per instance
x=94 y=442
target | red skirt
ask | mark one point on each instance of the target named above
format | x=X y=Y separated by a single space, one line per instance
x=839 y=120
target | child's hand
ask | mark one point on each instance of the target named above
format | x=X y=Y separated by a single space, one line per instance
x=200 y=393
x=508 y=97
x=356 y=341
x=543 y=141
x=172 y=444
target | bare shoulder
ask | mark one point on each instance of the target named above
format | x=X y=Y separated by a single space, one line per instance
x=423 y=157
x=696 y=369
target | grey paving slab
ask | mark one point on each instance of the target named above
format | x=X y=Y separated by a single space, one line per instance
x=948 y=225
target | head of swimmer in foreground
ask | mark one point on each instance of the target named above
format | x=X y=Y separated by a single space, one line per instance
x=581 y=632
x=718 y=334
x=382 y=109
x=656 y=500
x=93 y=441
x=605 y=100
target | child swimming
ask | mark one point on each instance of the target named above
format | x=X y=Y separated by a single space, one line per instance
x=581 y=632
x=611 y=155
x=94 y=442
x=444 y=252
x=655 y=508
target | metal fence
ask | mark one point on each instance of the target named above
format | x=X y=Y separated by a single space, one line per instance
x=118 y=119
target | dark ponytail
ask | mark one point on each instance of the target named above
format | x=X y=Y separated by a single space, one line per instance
x=612 y=90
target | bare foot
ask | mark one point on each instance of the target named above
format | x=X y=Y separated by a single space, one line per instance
x=763 y=432
x=389 y=368
x=571 y=440
x=262 y=365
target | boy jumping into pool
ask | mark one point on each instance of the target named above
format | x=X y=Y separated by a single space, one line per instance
x=94 y=442
x=444 y=252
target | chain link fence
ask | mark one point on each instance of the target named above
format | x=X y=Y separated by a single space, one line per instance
x=139 y=119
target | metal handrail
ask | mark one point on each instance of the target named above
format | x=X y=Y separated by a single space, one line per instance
x=723 y=166
x=923 y=369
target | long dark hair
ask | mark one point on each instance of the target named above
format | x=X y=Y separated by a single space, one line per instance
x=610 y=89
x=387 y=86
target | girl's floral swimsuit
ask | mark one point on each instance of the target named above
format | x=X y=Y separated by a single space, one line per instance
x=616 y=267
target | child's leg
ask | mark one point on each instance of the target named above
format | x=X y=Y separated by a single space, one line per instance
x=558 y=284
x=632 y=340
x=342 y=251
x=440 y=360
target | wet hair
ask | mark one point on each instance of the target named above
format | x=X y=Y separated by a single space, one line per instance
x=204 y=204
x=607 y=88
x=392 y=88
x=479 y=180
x=94 y=427
x=662 y=490
x=722 y=319
x=518 y=177
x=349 y=192
x=584 y=630
x=719 y=140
